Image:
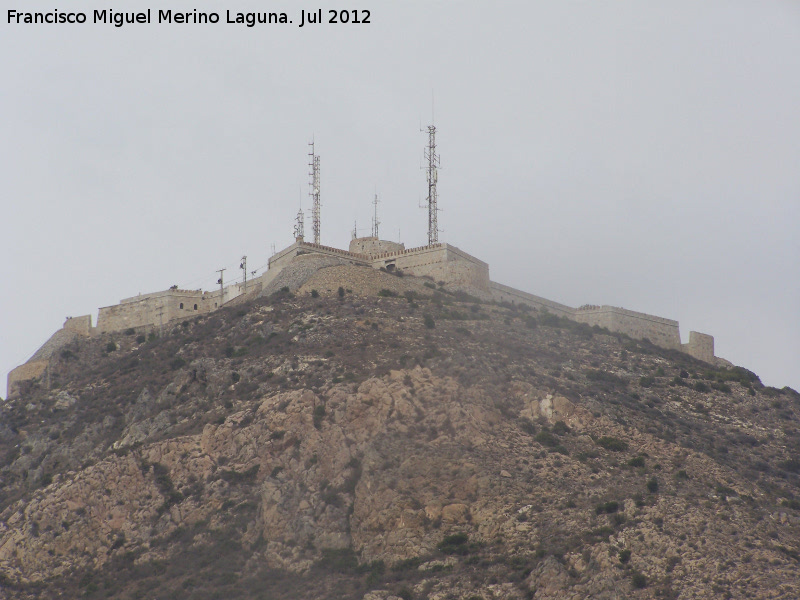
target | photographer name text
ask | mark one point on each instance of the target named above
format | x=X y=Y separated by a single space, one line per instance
x=195 y=17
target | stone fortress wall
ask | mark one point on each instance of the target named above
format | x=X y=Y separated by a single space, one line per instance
x=295 y=264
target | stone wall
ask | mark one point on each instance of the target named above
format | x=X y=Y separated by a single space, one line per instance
x=81 y=325
x=442 y=262
x=373 y=245
x=504 y=293
x=301 y=269
x=660 y=331
x=701 y=346
x=27 y=372
x=153 y=310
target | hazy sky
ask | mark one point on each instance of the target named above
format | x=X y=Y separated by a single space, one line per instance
x=638 y=154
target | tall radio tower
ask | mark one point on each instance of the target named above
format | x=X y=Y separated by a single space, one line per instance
x=432 y=172
x=375 y=221
x=314 y=193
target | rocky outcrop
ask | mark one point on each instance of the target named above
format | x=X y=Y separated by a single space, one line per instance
x=344 y=439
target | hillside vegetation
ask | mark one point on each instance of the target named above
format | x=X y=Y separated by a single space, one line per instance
x=405 y=443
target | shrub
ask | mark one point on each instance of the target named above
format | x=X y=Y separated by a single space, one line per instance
x=560 y=428
x=613 y=444
x=646 y=382
x=405 y=593
x=429 y=322
x=141 y=339
x=545 y=438
x=319 y=414
x=341 y=292
x=652 y=485
x=624 y=556
x=129 y=331
x=605 y=376
x=314 y=294
x=637 y=461
x=176 y=363
x=701 y=387
x=608 y=508
x=111 y=347
x=638 y=580
x=455 y=544
x=387 y=293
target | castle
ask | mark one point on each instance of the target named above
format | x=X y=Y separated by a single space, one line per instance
x=292 y=266
x=440 y=261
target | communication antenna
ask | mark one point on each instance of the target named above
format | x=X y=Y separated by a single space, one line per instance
x=243 y=267
x=375 y=221
x=272 y=247
x=314 y=193
x=432 y=174
x=221 y=286
x=299 y=228
x=355 y=229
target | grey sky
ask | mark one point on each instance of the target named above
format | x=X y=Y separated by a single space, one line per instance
x=644 y=155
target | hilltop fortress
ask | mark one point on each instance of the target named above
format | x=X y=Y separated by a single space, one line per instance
x=294 y=265
x=291 y=267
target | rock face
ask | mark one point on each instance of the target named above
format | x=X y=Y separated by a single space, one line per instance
x=391 y=447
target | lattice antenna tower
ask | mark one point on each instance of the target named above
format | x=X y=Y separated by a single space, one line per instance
x=433 y=176
x=375 y=221
x=299 y=228
x=313 y=164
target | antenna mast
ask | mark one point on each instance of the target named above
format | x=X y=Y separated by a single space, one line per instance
x=299 y=228
x=433 y=165
x=375 y=221
x=314 y=193
x=243 y=267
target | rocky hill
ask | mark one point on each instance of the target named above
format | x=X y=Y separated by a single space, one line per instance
x=387 y=438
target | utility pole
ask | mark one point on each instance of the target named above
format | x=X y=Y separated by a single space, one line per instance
x=221 y=288
x=375 y=221
x=243 y=267
x=314 y=193
x=433 y=176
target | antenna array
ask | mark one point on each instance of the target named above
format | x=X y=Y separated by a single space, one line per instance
x=375 y=221
x=314 y=193
x=299 y=228
x=432 y=172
